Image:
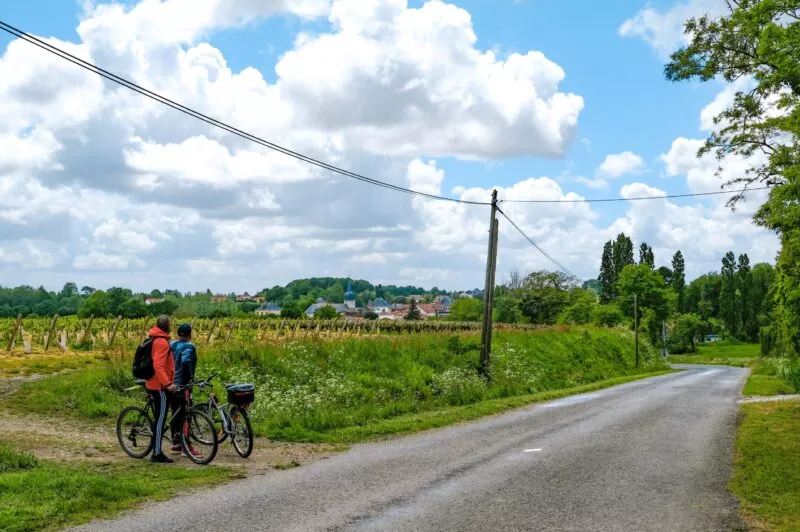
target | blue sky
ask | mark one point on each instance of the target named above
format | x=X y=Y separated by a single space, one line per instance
x=627 y=106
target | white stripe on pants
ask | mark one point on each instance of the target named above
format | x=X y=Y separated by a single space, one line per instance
x=159 y=430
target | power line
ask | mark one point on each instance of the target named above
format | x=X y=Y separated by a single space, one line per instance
x=214 y=122
x=638 y=198
x=543 y=252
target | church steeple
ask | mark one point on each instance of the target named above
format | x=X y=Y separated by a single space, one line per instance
x=350 y=296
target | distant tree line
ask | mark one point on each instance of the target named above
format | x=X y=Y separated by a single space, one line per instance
x=734 y=302
x=294 y=298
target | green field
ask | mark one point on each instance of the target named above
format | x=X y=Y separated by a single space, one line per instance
x=328 y=391
x=766 y=477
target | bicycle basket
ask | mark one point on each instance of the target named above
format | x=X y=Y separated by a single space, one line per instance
x=241 y=394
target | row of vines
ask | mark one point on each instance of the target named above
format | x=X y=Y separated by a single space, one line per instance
x=28 y=335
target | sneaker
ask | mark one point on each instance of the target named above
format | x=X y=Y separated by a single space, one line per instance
x=161 y=459
x=197 y=454
x=176 y=448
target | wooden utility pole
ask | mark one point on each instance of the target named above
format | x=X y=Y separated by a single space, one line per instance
x=636 y=326
x=488 y=293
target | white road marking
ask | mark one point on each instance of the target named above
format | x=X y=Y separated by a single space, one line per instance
x=532 y=450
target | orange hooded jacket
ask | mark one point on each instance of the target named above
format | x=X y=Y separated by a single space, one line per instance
x=163 y=362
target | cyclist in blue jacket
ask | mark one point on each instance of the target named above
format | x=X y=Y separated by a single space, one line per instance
x=185 y=363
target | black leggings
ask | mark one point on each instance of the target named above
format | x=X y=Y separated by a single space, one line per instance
x=177 y=401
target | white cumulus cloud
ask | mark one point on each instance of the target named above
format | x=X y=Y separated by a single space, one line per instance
x=620 y=164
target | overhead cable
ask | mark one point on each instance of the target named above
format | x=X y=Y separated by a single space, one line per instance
x=637 y=198
x=543 y=252
x=214 y=122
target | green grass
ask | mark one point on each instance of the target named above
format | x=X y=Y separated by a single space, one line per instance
x=740 y=355
x=38 y=494
x=450 y=415
x=22 y=365
x=765 y=380
x=317 y=391
x=766 y=476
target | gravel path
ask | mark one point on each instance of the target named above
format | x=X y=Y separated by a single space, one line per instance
x=647 y=455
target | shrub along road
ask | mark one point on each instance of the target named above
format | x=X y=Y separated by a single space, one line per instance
x=648 y=455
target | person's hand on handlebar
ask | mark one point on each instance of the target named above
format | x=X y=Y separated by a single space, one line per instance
x=172 y=388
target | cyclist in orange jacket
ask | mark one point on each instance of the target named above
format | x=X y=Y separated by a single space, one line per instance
x=161 y=383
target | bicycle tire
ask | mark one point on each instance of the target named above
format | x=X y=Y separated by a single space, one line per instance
x=247 y=448
x=194 y=419
x=213 y=414
x=146 y=431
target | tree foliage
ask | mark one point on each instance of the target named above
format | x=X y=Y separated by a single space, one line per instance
x=646 y=255
x=414 y=313
x=608 y=275
x=678 y=279
x=466 y=309
x=326 y=312
x=758 y=43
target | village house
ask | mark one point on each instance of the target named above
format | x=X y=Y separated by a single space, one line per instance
x=268 y=309
x=380 y=306
x=348 y=308
x=153 y=300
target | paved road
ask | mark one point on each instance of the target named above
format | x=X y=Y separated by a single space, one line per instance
x=648 y=455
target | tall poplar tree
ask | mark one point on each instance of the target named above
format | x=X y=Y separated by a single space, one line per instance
x=608 y=276
x=727 y=297
x=747 y=312
x=646 y=255
x=679 y=279
x=622 y=253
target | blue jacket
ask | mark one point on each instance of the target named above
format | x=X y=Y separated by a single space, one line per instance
x=185 y=361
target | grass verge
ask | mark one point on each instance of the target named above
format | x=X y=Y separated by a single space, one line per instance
x=766 y=476
x=39 y=494
x=24 y=365
x=447 y=416
x=739 y=355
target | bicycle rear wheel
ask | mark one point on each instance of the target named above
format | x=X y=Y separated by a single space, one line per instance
x=214 y=415
x=242 y=432
x=135 y=431
x=199 y=439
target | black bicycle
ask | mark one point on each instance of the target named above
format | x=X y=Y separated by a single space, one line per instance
x=231 y=418
x=136 y=429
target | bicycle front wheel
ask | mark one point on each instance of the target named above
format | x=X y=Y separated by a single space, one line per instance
x=135 y=432
x=199 y=438
x=242 y=432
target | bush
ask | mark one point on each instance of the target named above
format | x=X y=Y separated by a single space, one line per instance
x=792 y=374
x=607 y=316
x=766 y=337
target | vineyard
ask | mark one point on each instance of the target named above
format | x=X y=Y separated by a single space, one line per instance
x=35 y=335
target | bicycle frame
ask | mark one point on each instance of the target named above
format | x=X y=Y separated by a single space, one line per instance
x=213 y=404
x=149 y=407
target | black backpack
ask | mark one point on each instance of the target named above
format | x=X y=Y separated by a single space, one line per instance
x=143 y=360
